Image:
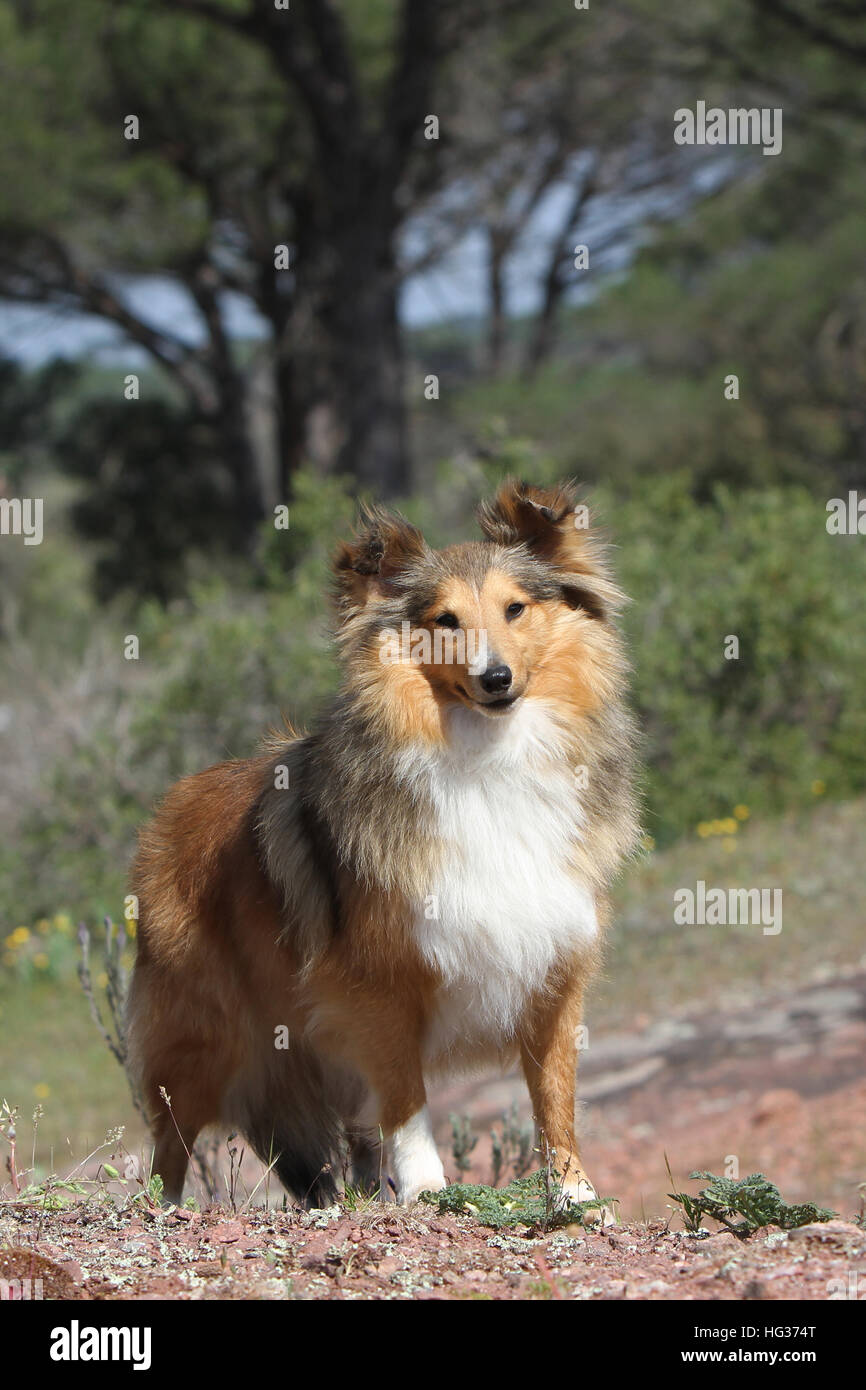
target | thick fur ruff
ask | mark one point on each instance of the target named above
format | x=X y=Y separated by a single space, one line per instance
x=417 y=885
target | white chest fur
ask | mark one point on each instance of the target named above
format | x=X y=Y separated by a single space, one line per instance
x=504 y=904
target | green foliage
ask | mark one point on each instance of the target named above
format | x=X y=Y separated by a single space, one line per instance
x=783 y=718
x=29 y=403
x=218 y=668
x=463 y=1141
x=536 y=1201
x=755 y=1199
x=155 y=491
x=512 y=1145
x=763 y=280
x=322 y=511
x=152 y=1193
x=50 y=1194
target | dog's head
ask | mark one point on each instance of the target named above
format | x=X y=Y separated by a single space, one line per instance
x=527 y=613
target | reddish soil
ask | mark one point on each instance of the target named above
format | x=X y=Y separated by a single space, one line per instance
x=412 y=1254
x=779 y=1086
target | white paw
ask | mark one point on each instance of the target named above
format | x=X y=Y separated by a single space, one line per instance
x=576 y=1190
x=410 y=1190
x=415 y=1164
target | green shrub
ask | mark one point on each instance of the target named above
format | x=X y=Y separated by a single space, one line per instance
x=756 y=1200
x=95 y=739
x=785 y=719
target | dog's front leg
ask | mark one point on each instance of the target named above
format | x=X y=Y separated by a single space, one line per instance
x=397 y=1108
x=413 y=1157
x=548 y=1048
x=385 y=1046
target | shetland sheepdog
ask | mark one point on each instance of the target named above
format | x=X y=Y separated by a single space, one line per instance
x=416 y=887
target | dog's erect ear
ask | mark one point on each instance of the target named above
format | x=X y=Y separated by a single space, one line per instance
x=536 y=516
x=555 y=528
x=370 y=565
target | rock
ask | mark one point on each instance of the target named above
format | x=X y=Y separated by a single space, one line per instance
x=773 y=1104
x=836 y=1230
x=227 y=1233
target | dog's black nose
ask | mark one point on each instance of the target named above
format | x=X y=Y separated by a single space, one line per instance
x=496 y=679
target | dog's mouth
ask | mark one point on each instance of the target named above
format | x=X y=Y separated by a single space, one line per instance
x=495 y=707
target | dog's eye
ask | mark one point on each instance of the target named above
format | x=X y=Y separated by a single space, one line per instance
x=514 y=610
x=447 y=620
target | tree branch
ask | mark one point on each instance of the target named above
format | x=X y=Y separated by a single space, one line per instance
x=410 y=87
x=239 y=21
x=818 y=33
x=67 y=285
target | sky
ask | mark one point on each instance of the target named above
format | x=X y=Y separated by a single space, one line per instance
x=456 y=288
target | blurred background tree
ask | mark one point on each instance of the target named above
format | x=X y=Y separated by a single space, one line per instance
x=306 y=128
x=280 y=156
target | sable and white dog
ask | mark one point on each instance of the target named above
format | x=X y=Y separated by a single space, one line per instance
x=417 y=886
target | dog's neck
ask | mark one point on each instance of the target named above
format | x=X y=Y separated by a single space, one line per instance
x=527 y=740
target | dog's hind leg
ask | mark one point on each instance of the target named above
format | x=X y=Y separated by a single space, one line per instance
x=176 y=1120
x=307 y=1174
x=170 y=1159
x=290 y=1105
x=366 y=1164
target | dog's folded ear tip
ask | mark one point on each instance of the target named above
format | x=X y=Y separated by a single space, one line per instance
x=384 y=543
x=519 y=509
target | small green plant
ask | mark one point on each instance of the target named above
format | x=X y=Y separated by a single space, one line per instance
x=536 y=1201
x=151 y=1193
x=49 y=1194
x=116 y=977
x=9 y=1131
x=512 y=1146
x=754 y=1199
x=463 y=1141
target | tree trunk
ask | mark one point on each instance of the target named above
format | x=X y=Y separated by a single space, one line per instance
x=352 y=395
x=556 y=278
x=242 y=464
x=370 y=404
x=541 y=336
x=498 y=249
